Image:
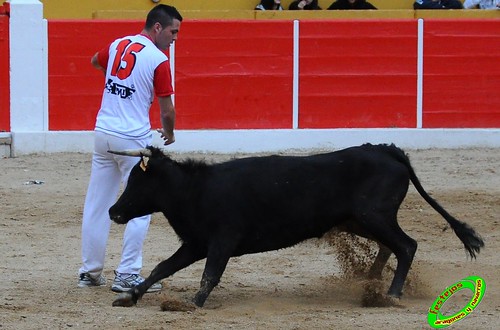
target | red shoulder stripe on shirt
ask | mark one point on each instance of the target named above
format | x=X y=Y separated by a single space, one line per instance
x=103 y=57
x=163 y=80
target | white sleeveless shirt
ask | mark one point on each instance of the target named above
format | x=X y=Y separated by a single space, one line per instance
x=129 y=90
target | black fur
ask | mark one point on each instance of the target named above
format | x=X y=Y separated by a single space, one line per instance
x=259 y=204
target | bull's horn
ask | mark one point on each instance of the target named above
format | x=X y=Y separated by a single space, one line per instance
x=133 y=153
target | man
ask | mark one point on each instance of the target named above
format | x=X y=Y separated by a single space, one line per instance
x=269 y=5
x=351 y=5
x=136 y=69
x=482 y=4
x=304 y=5
x=437 y=4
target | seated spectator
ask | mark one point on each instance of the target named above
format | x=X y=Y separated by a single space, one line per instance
x=351 y=4
x=304 y=5
x=269 y=5
x=437 y=4
x=482 y=4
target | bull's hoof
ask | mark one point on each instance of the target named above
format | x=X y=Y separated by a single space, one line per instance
x=380 y=300
x=374 y=295
x=124 y=299
x=199 y=300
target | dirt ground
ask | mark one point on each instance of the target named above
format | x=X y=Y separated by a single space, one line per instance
x=303 y=287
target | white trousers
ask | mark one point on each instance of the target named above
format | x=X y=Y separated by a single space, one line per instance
x=107 y=174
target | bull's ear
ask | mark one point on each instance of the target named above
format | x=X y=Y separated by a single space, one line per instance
x=144 y=163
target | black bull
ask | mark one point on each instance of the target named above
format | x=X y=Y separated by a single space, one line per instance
x=259 y=204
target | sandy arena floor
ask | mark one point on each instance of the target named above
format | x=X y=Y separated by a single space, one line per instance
x=302 y=287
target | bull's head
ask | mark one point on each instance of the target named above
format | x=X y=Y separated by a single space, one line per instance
x=141 y=193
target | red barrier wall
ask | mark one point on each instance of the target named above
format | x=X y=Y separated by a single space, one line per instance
x=4 y=74
x=353 y=74
x=461 y=74
x=210 y=91
x=75 y=87
x=234 y=75
x=358 y=74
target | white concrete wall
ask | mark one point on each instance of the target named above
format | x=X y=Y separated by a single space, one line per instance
x=28 y=67
x=231 y=141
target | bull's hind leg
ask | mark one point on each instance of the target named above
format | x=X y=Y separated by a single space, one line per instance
x=386 y=230
x=404 y=253
x=380 y=261
x=404 y=248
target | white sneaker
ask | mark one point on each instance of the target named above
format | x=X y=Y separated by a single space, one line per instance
x=87 y=281
x=125 y=282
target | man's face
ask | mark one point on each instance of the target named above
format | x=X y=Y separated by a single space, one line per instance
x=166 y=36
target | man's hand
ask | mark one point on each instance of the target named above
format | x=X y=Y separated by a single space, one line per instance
x=169 y=138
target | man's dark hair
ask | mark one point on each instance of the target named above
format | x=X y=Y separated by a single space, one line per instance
x=163 y=14
x=267 y=4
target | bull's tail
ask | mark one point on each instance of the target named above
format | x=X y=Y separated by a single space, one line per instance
x=472 y=241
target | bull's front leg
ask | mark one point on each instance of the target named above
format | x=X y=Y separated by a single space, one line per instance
x=130 y=298
x=183 y=257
